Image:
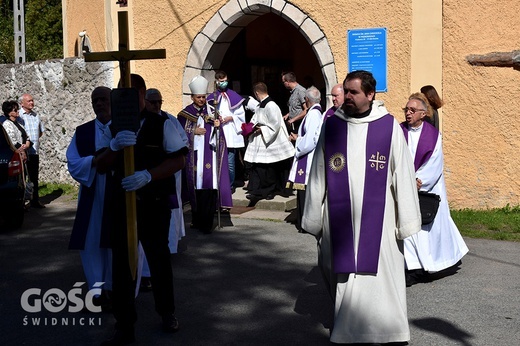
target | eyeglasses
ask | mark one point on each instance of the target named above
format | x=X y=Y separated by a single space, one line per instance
x=412 y=110
x=155 y=102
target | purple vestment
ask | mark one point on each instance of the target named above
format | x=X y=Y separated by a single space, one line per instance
x=378 y=143
x=191 y=159
x=426 y=145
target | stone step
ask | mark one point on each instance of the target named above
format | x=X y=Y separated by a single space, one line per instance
x=278 y=203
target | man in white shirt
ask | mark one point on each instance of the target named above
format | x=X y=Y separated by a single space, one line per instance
x=34 y=126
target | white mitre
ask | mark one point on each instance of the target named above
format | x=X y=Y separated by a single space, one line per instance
x=199 y=85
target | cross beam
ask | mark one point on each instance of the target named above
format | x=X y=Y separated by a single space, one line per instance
x=499 y=59
x=124 y=56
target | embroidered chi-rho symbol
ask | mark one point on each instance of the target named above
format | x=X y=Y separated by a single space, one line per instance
x=337 y=162
x=378 y=161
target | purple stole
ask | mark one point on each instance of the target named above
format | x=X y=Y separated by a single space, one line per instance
x=301 y=163
x=207 y=176
x=426 y=145
x=330 y=112
x=234 y=99
x=379 y=138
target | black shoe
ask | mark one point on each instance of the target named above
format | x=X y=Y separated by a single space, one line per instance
x=270 y=197
x=120 y=338
x=252 y=197
x=170 y=323
x=146 y=284
x=37 y=205
x=414 y=277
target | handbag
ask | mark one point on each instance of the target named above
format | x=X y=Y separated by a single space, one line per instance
x=29 y=185
x=429 y=204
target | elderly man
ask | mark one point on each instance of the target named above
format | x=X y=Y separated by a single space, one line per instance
x=34 y=126
x=338 y=96
x=305 y=142
x=207 y=175
x=361 y=203
x=90 y=233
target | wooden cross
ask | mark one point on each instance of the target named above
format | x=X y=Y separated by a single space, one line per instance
x=124 y=56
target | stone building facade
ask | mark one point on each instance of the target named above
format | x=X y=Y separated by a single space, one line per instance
x=428 y=42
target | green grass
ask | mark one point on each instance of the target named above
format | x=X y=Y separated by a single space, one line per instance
x=46 y=189
x=498 y=224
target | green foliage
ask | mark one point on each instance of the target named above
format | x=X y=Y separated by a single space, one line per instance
x=499 y=224
x=6 y=32
x=43 y=30
x=45 y=189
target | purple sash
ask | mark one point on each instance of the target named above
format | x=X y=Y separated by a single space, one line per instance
x=301 y=166
x=426 y=145
x=330 y=112
x=378 y=143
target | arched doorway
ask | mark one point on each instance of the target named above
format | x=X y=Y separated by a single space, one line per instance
x=257 y=43
x=266 y=48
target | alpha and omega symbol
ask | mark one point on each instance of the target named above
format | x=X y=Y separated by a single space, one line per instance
x=300 y=172
x=337 y=162
x=377 y=161
x=208 y=165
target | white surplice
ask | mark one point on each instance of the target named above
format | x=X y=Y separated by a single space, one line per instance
x=369 y=308
x=177 y=229
x=439 y=244
x=97 y=262
x=306 y=142
x=273 y=144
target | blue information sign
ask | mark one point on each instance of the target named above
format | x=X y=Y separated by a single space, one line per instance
x=367 y=51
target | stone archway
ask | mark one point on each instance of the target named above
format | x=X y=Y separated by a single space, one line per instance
x=210 y=45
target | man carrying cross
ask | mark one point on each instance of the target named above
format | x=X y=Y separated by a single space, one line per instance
x=159 y=153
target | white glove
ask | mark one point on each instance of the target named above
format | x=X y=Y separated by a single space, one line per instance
x=136 y=181
x=123 y=139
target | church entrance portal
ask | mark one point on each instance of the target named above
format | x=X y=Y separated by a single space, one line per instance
x=257 y=44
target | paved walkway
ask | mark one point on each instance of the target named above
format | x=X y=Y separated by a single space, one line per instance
x=254 y=282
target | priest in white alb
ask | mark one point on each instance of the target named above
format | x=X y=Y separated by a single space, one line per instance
x=438 y=245
x=90 y=233
x=305 y=144
x=361 y=203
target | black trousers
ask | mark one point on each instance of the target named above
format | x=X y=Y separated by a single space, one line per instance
x=153 y=222
x=300 y=204
x=268 y=178
x=203 y=214
x=33 y=167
